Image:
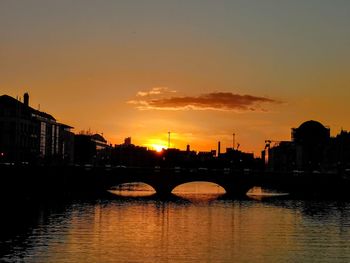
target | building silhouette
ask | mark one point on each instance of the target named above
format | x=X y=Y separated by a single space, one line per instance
x=91 y=149
x=32 y=136
x=311 y=149
x=237 y=159
x=128 y=154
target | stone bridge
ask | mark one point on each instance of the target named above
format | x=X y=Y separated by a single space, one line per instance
x=58 y=181
x=163 y=181
x=235 y=182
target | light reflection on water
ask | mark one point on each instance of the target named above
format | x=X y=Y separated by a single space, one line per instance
x=151 y=230
x=133 y=190
x=260 y=193
x=192 y=191
x=195 y=191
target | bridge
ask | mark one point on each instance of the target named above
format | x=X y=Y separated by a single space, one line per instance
x=236 y=183
x=42 y=181
x=164 y=181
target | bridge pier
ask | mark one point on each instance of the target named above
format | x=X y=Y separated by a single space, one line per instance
x=163 y=191
x=238 y=190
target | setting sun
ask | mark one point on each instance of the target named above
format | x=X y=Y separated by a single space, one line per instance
x=158 y=147
x=156 y=144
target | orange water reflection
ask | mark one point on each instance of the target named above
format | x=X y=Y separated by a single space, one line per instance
x=260 y=193
x=133 y=190
x=199 y=192
x=149 y=230
x=194 y=191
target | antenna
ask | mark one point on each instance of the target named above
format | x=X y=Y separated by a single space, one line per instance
x=233 y=140
x=168 y=139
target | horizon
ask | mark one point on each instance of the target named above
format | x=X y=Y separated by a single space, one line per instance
x=159 y=145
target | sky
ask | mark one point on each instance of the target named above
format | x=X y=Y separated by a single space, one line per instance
x=201 y=70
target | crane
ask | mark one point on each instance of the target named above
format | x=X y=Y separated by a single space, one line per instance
x=268 y=143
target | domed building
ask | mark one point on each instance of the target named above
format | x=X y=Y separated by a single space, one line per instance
x=311 y=149
x=311 y=141
x=311 y=132
x=307 y=151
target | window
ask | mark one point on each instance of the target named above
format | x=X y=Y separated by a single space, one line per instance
x=42 y=138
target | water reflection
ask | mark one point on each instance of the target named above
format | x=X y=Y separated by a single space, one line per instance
x=199 y=192
x=260 y=193
x=133 y=190
x=151 y=230
x=196 y=192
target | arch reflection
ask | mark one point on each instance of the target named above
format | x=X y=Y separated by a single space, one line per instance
x=136 y=189
x=199 y=191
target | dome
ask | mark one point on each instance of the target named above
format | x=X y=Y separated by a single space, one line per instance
x=310 y=132
x=312 y=125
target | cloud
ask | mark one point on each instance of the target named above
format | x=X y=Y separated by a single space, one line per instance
x=155 y=91
x=224 y=101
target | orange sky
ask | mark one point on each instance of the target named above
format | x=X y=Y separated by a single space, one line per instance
x=142 y=69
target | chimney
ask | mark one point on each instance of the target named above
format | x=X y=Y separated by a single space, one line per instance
x=26 y=99
x=219 y=148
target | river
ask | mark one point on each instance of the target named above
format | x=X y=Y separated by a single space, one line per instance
x=195 y=225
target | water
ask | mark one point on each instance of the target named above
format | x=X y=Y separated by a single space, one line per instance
x=193 y=227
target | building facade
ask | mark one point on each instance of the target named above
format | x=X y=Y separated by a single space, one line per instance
x=32 y=136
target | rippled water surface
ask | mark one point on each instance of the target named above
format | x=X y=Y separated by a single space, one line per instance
x=190 y=227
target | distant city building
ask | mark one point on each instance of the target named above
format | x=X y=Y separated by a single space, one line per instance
x=33 y=136
x=339 y=151
x=205 y=156
x=128 y=154
x=237 y=159
x=311 y=149
x=127 y=141
x=91 y=149
x=311 y=140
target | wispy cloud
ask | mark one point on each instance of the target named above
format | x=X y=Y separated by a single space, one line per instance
x=224 y=101
x=155 y=91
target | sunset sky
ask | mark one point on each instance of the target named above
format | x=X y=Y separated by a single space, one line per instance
x=200 y=69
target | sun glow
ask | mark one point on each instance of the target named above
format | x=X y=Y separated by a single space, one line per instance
x=158 y=147
x=156 y=144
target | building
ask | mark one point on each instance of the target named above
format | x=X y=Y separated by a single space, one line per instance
x=91 y=149
x=311 y=140
x=311 y=149
x=32 y=136
x=128 y=154
x=339 y=152
x=282 y=156
x=127 y=141
x=239 y=160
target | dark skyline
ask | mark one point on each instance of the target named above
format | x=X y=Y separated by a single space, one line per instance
x=29 y=136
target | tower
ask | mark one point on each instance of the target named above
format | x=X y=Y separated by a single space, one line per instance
x=26 y=99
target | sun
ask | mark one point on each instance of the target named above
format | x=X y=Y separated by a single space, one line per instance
x=158 y=147
x=156 y=144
